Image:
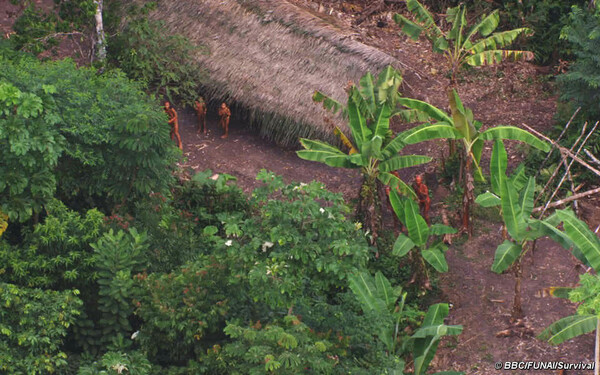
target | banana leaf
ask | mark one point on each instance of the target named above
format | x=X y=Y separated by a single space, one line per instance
x=418 y=231
x=435 y=257
x=506 y=254
x=493 y=57
x=403 y=161
x=498 y=163
x=488 y=199
x=583 y=238
x=426 y=132
x=402 y=245
x=514 y=221
x=514 y=133
x=568 y=328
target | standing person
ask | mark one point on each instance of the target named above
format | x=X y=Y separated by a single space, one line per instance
x=423 y=195
x=174 y=122
x=224 y=115
x=200 y=107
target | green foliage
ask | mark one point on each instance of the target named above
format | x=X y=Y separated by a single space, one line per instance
x=163 y=62
x=420 y=235
x=545 y=18
x=117 y=257
x=286 y=346
x=458 y=44
x=118 y=139
x=114 y=363
x=33 y=324
x=57 y=253
x=580 y=86
x=30 y=145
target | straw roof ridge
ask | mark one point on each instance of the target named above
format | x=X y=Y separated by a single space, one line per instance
x=268 y=57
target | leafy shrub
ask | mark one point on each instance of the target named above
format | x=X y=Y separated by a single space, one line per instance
x=114 y=363
x=163 y=62
x=33 y=324
x=117 y=140
x=283 y=347
x=30 y=145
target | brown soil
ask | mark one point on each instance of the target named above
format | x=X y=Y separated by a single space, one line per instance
x=511 y=94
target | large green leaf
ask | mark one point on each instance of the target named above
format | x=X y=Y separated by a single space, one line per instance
x=318 y=151
x=437 y=229
x=498 y=163
x=424 y=348
x=385 y=291
x=424 y=107
x=493 y=57
x=403 y=161
x=408 y=27
x=485 y=27
x=367 y=91
x=568 y=328
x=526 y=198
x=339 y=161
x=388 y=82
x=488 y=199
x=436 y=314
x=402 y=245
x=456 y=16
x=395 y=183
x=514 y=133
x=519 y=178
x=547 y=227
x=310 y=144
x=506 y=254
x=424 y=16
x=460 y=117
x=398 y=206
x=371 y=149
x=582 y=237
x=426 y=132
x=364 y=289
x=511 y=212
x=417 y=227
x=381 y=124
x=499 y=40
x=329 y=104
x=357 y=123
x=436 y=258
x=393 y=147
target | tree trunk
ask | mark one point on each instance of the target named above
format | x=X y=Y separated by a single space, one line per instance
x=517 y=311
x=468 y=196
x=369 y=207
x=100 y=37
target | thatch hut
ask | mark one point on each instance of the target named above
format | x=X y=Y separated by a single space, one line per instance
x=268 y=57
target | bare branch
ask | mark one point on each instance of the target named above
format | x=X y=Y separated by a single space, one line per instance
x=568 y=199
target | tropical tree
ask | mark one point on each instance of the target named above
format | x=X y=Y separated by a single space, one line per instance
x=515 y=197
x=460 y=125
x=477 y=45
x=372 y=147
x=421 y=237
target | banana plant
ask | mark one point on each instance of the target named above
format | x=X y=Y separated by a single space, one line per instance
x=373 y=149
x=376 y=295
x=421 y=239
x=580 y=237
x=460 y=125
x=515 y=196
x=477 y=45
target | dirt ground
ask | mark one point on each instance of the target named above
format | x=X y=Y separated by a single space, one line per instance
x=511 y=94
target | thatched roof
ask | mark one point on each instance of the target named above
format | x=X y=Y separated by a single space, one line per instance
x=269 y=56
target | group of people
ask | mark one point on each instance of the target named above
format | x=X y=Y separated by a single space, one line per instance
x=200 y=107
